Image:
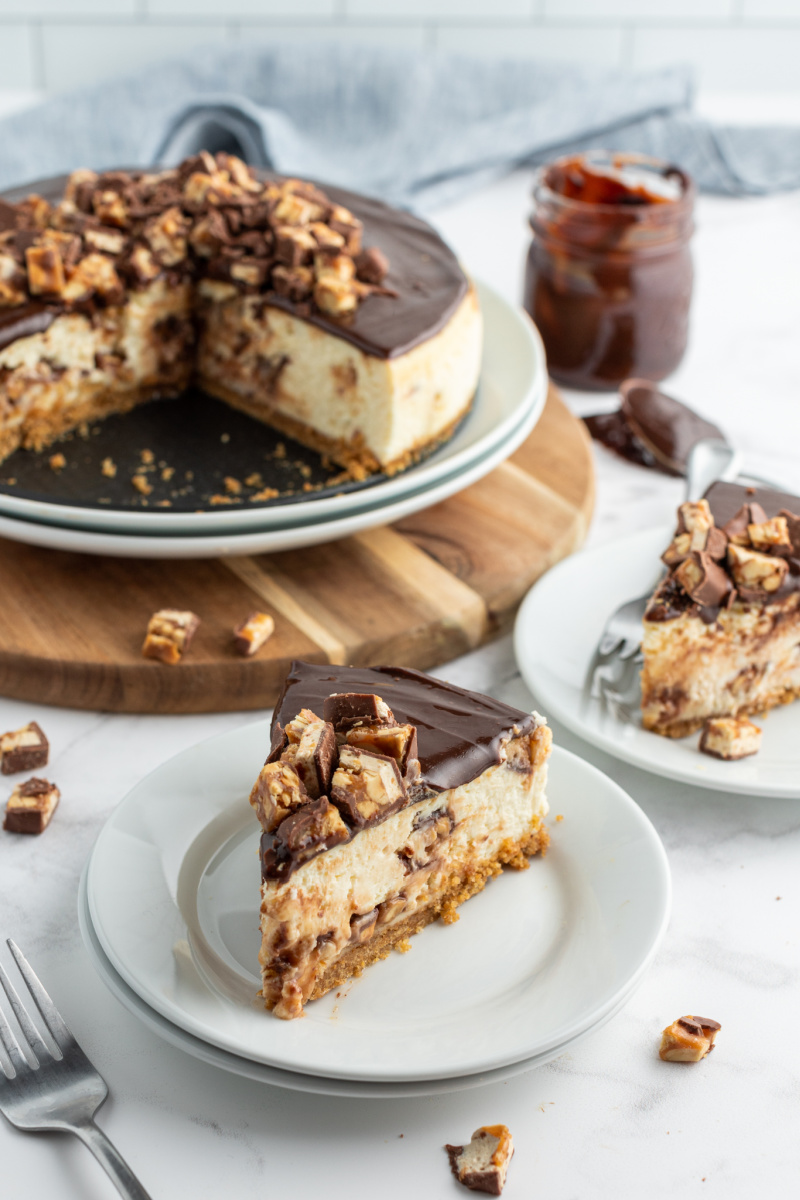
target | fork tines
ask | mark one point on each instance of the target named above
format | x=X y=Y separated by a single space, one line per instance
x=35 y=1043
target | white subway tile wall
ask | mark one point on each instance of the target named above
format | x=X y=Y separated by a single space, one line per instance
x=16 y=57
x=736 y=46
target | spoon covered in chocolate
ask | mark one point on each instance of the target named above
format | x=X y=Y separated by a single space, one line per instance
x=652 y=429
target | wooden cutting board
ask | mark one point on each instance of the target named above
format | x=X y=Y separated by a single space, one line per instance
x=416 y=593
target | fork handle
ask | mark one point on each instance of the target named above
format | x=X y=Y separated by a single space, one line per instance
x=112 y=1161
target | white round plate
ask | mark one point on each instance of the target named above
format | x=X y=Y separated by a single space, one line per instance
x=572 y=603
x=262 y=1073
x=291 y=538
x=513 y=387
x=535 y=960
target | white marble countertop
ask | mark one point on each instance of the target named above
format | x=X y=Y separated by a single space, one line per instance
x=607 y=1119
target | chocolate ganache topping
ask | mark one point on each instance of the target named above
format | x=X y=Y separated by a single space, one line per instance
x=458 y=732
x=423 y=288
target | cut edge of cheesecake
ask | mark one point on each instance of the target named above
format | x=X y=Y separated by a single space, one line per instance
x=362 y=849
x=513 y=854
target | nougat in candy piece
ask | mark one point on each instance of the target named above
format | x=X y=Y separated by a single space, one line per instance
x=31 y=806
x=688 y=1039
x=250 y=636
x=169 y=633
x=25 y=749
x=482 y=1165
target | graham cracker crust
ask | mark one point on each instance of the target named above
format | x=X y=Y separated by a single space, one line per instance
x=680 y=729
x=41 y=429
x=514 y=854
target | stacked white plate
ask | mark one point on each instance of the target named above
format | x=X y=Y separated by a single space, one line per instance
x=537 y=961
x=509 y=402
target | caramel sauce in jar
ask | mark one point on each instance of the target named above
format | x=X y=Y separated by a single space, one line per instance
x=609 y=273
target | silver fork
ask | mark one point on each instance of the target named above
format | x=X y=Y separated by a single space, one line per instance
x=55 y=1092
x=612 y=676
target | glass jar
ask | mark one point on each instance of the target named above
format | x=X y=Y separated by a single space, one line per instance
x=609 y=274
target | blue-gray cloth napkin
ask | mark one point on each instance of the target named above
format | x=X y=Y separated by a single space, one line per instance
x=419 y=129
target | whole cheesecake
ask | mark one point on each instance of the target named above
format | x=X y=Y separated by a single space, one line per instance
x=337 y=319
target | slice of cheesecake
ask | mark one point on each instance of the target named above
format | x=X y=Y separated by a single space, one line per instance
x=388 y=798
x=722 y=630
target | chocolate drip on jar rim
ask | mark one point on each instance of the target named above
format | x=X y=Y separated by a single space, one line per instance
x=459 y=733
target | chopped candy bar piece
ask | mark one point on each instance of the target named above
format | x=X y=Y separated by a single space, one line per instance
x=688 y=1039
x=397 y=741
x=25 y=749
x=482 y=1165
x=276 y=794
x=313 y=828
x=250 y=636
x=730 y=737
x=30 y=806
x=312 y=744
x=366 y=787
x=169 y=633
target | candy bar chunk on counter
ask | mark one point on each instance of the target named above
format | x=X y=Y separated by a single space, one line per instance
x=25 y=749
x=31 y=806
x=730 y=738
x=169 y=634
x=688 y=1039
x=250 y=636
x=482 y=1165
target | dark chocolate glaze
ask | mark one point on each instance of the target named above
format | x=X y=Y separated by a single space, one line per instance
x=725 y=500
x=423 y=271
x=458 y=732
x=614 y=432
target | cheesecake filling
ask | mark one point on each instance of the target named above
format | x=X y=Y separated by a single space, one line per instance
x=360 y=410
x=85 y=366
x=408 y=866
x=748 y=661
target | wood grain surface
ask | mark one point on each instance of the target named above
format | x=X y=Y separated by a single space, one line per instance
x=416 y=593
